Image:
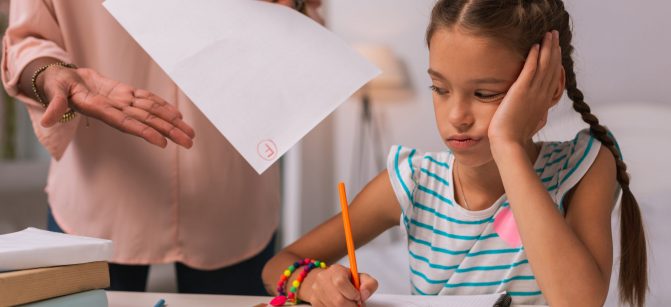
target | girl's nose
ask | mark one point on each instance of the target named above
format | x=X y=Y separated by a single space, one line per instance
x=460 y=115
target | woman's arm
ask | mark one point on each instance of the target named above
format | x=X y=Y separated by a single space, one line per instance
x=571 y=258
x=372 y=212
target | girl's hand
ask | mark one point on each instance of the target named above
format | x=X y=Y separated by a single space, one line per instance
x=523 y=111
x=134 y=111
x=333 y=287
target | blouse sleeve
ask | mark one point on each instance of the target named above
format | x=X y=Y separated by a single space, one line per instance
x=33 y=33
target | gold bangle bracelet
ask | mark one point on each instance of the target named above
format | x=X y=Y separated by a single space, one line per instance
x=70 y=114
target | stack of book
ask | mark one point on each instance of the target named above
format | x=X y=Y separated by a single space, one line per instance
x=39 y=268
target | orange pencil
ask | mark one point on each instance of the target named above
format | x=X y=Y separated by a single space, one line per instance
x=348 y=234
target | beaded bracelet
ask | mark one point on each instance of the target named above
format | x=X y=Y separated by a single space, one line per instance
x=291 y=298
x=70 y=114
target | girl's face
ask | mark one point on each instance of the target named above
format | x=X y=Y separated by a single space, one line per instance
x=470 y=76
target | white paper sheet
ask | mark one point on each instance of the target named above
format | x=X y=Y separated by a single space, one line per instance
x=394 y=300
x=36 y=248
x=391 y=300
x=262 y=73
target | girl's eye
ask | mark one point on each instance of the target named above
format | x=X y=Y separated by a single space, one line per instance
x=438 y=90
x=489 y=96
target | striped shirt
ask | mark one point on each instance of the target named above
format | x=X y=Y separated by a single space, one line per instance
x=454 y=251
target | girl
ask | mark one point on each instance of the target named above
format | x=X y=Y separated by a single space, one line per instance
x=496 y=211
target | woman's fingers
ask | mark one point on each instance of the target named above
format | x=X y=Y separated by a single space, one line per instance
x=102 y=108
x=167 y=112
x=138 y=112
x=153 y=120
x=166 y=129
x=126 y=123
x=289 y=3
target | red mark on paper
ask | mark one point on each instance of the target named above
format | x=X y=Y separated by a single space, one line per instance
x=267 y=150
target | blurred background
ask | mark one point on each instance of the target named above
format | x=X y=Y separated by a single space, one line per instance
x=623 y=68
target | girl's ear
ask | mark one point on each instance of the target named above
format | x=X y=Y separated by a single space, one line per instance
x=559 y=90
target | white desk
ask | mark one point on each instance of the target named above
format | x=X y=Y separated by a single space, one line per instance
x=140 y=299
x=147 y=299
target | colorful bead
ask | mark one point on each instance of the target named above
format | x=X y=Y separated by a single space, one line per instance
x=291 y=297
x=278 y=301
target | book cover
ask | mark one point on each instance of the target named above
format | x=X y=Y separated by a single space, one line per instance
x=25 y=286
x=92 y=298
x=36 y=248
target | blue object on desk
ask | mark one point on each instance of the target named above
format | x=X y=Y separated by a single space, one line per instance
x=160 y=303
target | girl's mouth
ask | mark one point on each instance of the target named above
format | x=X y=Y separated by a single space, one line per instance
x=461 y=142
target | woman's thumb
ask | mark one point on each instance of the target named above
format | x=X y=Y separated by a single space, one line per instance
x=57 y=106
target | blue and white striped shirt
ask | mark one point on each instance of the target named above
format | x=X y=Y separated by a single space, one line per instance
x=454 y=251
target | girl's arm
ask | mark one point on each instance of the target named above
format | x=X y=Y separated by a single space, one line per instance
x=372 y=212
x=571 y=258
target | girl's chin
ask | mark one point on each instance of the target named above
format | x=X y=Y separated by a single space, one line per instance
x=473 y=159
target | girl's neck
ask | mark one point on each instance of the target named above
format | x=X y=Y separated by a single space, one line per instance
x=482 y=184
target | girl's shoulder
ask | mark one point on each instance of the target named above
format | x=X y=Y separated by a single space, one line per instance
x=411 y=170
x=562 y=164
x=574 y=153
x=407 y=159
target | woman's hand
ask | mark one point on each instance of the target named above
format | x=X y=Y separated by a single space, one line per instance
x=134 y=111
x=311 y=8
x=333 y=287
x=523 y=111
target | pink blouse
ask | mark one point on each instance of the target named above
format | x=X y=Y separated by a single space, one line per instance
x=205 y=206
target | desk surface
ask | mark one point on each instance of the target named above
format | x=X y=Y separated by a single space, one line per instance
x=139 y=299
x=148 y=299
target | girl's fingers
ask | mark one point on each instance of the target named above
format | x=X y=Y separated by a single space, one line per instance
x=557 y=72
x=368 y=286
x=332 y=295
x=530 y=67
x=341 y=280
x=544 y=63
x=553 y=65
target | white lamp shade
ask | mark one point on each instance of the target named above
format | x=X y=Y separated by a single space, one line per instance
x=393 y=83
